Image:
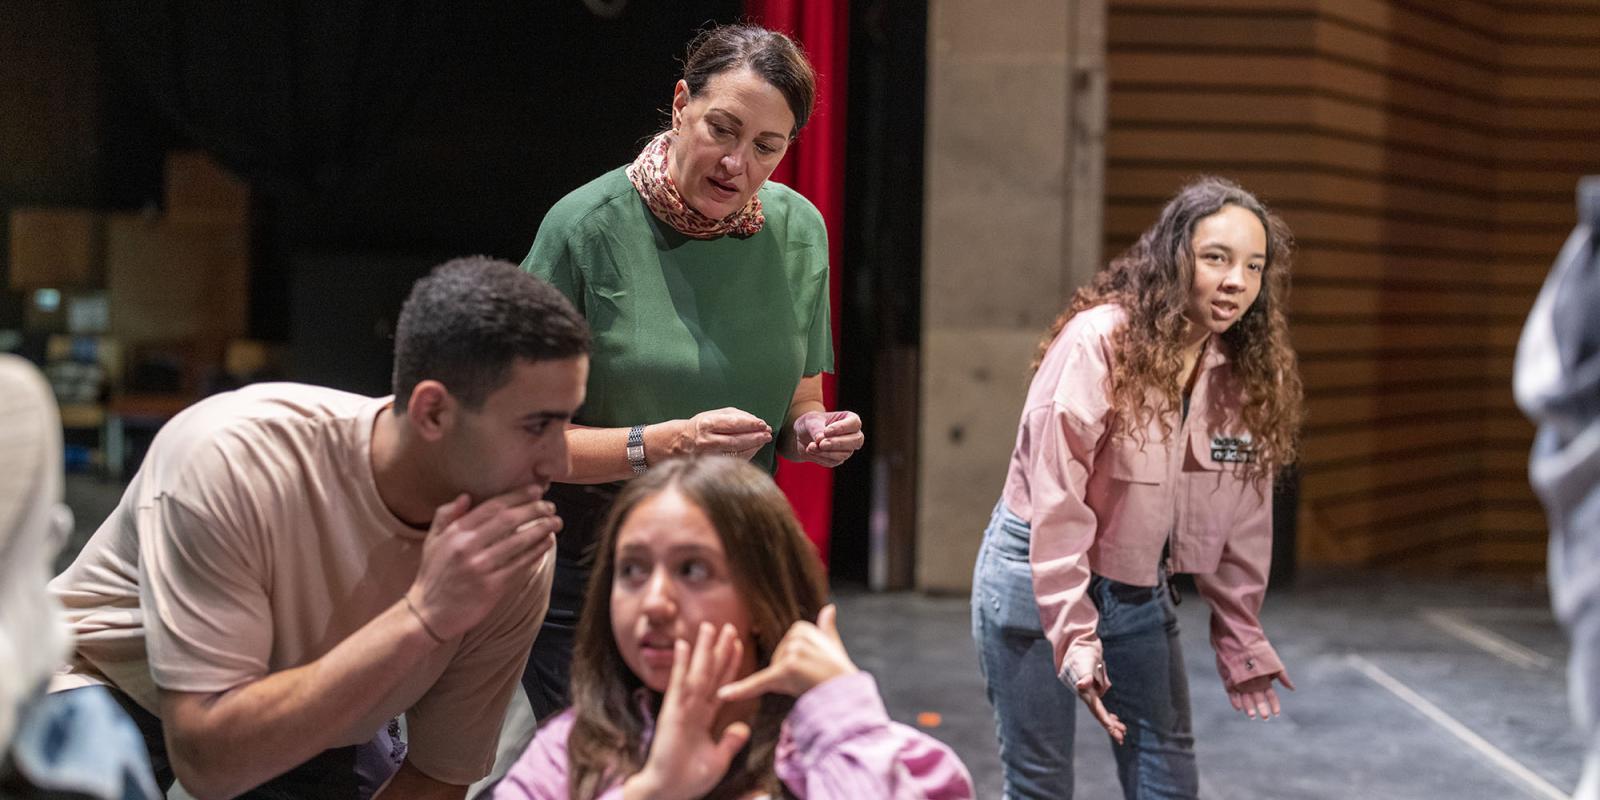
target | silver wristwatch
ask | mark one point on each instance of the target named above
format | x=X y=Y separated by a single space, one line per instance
x=636 y=449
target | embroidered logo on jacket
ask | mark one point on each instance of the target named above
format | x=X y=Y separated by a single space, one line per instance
x=1232 y=449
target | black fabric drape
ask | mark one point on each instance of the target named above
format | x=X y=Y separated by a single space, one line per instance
x=299 y=98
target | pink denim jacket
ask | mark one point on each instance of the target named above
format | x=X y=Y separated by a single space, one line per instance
x=1099 y=501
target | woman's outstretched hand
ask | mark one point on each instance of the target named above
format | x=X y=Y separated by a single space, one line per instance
x=687 y=758
x=809 y=655
x=1089 y=691
x=1256 y=697
x=724 y=430
x=827 y=437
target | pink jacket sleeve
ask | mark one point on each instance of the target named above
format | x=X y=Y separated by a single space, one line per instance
x=1235 y=591
x=1063 y=527
x=838 y=743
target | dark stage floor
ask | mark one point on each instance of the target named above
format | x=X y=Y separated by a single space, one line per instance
x=1407 y=689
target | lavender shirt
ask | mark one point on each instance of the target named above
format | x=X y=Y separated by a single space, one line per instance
x=838 y=742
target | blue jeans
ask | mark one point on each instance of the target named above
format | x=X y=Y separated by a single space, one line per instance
x=1035 y=713
x=354 y=772
x=78 y=744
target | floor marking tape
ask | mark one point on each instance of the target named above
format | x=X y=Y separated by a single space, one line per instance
x=1486 y=640
x=1496 y=756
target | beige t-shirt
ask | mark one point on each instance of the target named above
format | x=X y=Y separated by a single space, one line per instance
x=253 y=540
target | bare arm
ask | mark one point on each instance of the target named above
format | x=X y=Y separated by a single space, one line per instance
x=600 y=455
x=813 y=433
x=224 y=743
x=807 y=397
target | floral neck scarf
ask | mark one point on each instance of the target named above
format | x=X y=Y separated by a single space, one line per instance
x=648 y=174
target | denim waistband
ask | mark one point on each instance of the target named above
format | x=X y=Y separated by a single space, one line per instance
x=1008 y=534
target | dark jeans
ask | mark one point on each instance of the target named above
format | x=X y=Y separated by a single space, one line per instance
x=548 y=678
x=1035 y=711
x=342 y=773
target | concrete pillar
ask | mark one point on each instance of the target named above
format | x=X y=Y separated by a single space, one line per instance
x=1013 y=208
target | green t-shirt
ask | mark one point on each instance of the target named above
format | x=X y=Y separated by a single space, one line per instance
x=685 y=325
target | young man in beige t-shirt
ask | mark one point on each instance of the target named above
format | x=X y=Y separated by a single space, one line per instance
x=295 y=566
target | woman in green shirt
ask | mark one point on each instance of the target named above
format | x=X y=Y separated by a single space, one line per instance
x=706 y=288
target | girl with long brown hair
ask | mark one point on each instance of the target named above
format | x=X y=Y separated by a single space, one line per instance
x=1163 y=401
x=698 y=670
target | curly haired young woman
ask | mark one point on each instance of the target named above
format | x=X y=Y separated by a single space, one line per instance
x=1163 y=401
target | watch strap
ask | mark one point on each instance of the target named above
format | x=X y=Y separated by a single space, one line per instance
x=636 y=449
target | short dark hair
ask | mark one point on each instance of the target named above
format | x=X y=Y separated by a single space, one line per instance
x=468 y=320
x=769 y=54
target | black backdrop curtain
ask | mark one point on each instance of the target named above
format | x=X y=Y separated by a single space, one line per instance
x=376 y=133
x=299 y=98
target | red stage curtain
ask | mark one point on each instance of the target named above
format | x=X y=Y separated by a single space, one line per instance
x=814 y=166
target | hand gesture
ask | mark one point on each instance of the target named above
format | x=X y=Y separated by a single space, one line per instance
x=471 y=557
x=1089 y=692
x=726 y=430
x=687 y=758
x=809 y=655
x=1256 y=697
x=827 y=437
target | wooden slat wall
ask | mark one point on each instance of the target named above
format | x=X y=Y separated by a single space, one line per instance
x=1425 y=154
x=1549 y=135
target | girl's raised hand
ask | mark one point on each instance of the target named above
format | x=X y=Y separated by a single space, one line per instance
x=808 y=656
x=687 y=758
